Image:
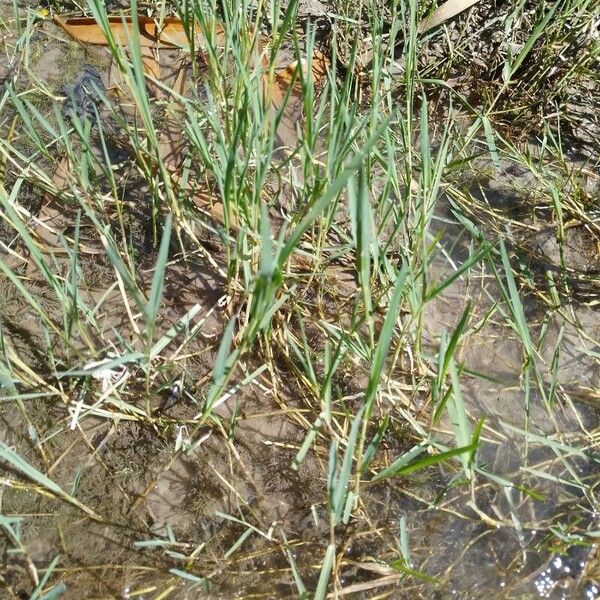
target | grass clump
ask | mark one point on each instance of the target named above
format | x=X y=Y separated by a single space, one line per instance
x=299 y=314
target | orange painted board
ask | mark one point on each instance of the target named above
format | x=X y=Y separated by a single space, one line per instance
x=171 y=35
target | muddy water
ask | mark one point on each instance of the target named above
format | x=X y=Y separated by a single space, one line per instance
x=496 y=539
x=126 y=471
x=164 y=514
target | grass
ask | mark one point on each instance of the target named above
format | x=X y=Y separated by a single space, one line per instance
x=318 y=339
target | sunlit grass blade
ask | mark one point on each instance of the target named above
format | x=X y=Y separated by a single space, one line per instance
x=332 y=191
x=385 y=338
x=158 y=280
x=401 y=566
x=339 y=481
x=222 y=365
x=401 y=467
x=23 y=467
x=360 y=213
x=457 y=413
x=174 y=331
x=111 y=363
x=55 y=592
x=321 y=590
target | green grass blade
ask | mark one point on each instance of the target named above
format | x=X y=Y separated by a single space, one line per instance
x=427 y=461
x=158 y=279
x=326 y=567
x=340 y=491
x=23 y=467
x=332 y=191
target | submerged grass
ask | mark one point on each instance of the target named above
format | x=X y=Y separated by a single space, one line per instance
x=316 y=335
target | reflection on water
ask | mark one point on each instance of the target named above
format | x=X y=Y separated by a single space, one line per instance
x=561 y=574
